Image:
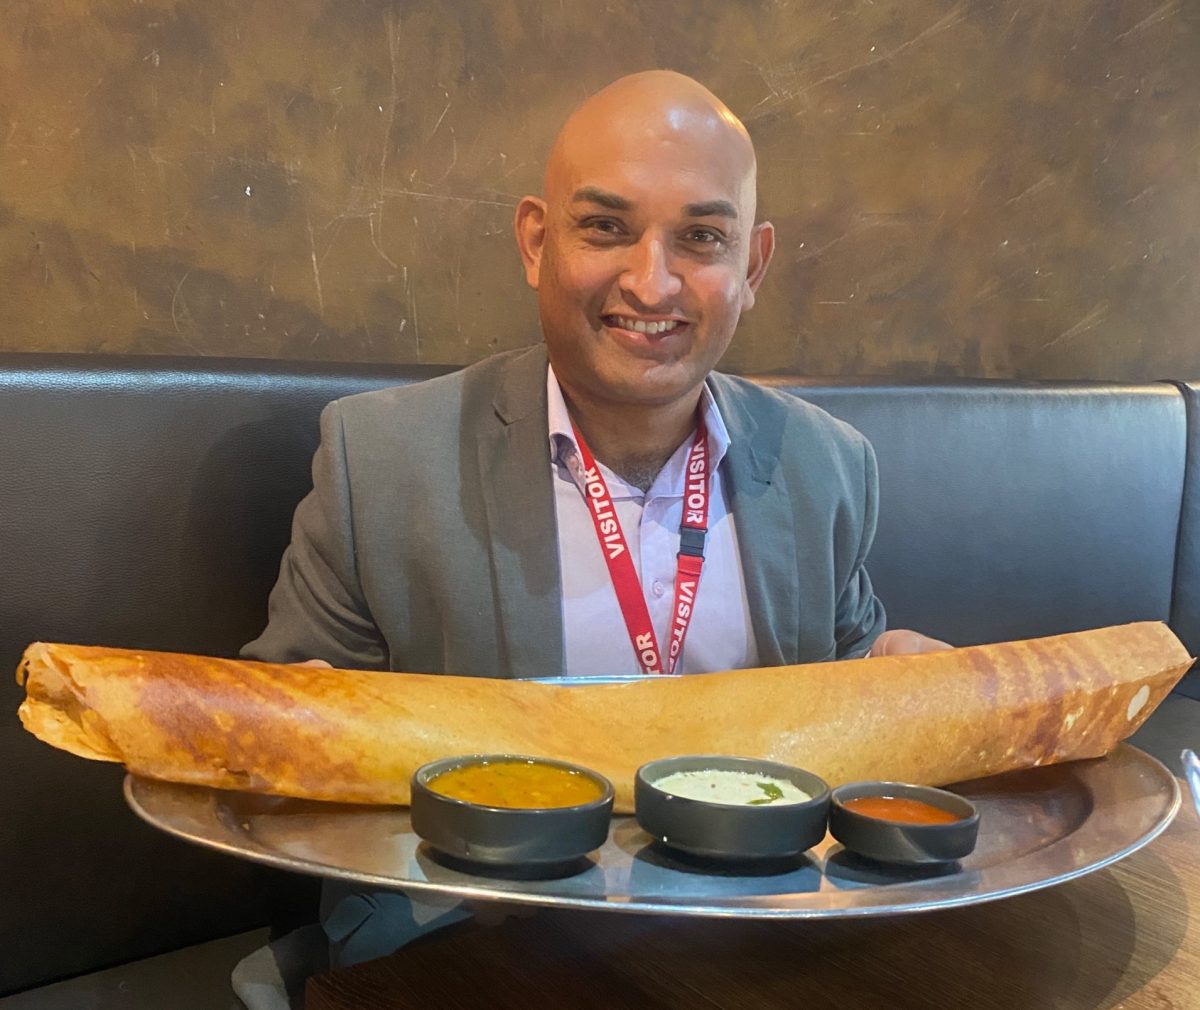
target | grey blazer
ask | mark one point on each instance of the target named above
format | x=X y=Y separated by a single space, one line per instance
x=427 y=543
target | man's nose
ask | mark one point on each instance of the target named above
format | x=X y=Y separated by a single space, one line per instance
x=650 y=276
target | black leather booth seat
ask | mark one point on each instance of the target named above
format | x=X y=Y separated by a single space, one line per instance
x=145 y=503
x=1185 y=606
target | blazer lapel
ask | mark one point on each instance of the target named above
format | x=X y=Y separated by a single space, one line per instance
x=514 y=468
x=765 y=522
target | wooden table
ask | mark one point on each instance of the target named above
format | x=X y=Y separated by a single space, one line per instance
x=1124 y=937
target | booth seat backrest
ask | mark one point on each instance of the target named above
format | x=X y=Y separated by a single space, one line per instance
x=1017 y=510
x=1185 y=609
x=145 y=502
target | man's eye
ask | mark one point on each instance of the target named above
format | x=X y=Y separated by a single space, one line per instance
x=705 y=236
x=603 y=226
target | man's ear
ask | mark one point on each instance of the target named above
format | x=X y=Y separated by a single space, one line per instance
x=762 y=248
x=529 y=224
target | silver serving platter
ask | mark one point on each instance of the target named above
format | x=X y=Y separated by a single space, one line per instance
x=1191 y=775
x=1038 y=828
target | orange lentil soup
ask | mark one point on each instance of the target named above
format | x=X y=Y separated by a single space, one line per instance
x=527 y=784
x=894 y=808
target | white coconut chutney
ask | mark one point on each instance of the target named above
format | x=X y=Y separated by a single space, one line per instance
x=732 y=787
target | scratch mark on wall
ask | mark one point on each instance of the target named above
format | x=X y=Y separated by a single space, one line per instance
x=393 y=191
x=416 y=325
x=782 y=81
x=780 y=93
x=453 y=157
x=177 y=306
x=458 y=292
x=989 y=291
x=376 y=217
x=1145 y=192
x=1083 y=28
x=160 y=164
x=1170 y=8
x=1042 y=183
x=944 y=23
x=1089 y=322
x=449 y=101
x=312 y=251
x=412 y=311
x=859 y=226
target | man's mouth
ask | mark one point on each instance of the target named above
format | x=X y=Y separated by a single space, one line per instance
x=650 y=327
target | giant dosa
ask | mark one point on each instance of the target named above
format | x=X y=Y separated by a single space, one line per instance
x=356 y=737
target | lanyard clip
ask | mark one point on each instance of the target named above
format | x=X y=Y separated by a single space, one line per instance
x=691 y=542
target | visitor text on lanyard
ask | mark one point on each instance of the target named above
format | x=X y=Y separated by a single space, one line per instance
x=690 y=560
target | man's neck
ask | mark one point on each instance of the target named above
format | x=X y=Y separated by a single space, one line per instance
x=633 y=440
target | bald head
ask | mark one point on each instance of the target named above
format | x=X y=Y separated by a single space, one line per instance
x=665 y=118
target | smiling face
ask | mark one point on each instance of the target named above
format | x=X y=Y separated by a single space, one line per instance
x=644 y=252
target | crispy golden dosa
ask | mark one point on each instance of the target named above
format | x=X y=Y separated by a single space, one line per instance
x=356 y=737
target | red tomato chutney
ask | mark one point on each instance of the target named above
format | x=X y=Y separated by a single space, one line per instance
x=895 y=808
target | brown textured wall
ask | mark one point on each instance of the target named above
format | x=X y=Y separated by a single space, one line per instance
x=962 y=188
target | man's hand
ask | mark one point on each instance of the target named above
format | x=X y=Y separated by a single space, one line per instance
x=321 y=664
x=899 y=642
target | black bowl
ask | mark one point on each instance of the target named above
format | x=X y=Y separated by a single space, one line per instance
x=895 y=841
x=508 y=836
x=728 y=831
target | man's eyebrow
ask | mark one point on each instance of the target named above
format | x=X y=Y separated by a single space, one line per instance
x=711 y=208
x=590 y=194
x=603 y=198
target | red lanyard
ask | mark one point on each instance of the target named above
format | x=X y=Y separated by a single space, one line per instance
x=692 y=531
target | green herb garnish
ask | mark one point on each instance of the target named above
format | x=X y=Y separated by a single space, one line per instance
x=773 y=793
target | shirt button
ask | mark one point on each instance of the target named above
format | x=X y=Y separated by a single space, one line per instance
x=659 y=588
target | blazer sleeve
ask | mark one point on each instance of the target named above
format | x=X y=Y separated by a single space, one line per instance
x=317 y=609
x=860 y=615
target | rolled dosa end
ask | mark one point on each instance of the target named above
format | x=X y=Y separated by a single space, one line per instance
x=55 y=708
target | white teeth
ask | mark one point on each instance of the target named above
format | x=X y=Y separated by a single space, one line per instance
x=638 y=326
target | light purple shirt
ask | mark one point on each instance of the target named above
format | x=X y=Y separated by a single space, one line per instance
x=595 y=639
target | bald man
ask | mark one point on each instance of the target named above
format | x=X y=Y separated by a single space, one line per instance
x=603 y=502
x=453 y=525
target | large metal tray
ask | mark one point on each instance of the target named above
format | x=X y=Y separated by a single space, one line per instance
x=1038 y=828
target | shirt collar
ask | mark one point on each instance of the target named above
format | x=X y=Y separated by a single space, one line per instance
x=562 y=434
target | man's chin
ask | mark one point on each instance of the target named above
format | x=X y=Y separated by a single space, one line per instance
x=659 y=386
